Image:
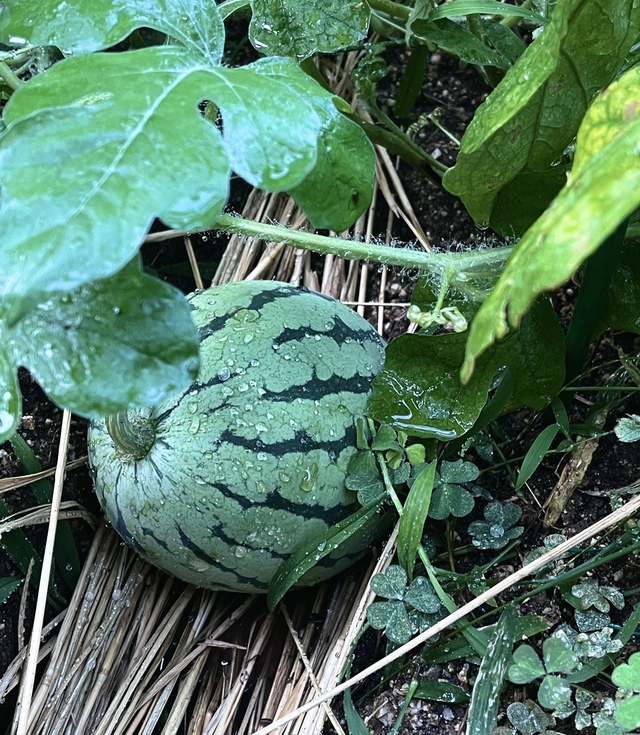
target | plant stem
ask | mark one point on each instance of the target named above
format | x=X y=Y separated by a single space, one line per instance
x=133 y=434
x=9 y=76
x=457 y=264
x=390 y=8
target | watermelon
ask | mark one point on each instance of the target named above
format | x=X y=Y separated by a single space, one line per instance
x=223 y=483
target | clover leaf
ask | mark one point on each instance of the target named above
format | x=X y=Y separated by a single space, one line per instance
x=627 y=676
x=407 y=610
x=590 y=594
x=449 y=497
x=528 y=718
x=496 y=531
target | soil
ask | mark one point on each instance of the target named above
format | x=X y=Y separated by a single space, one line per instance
x=455 y=91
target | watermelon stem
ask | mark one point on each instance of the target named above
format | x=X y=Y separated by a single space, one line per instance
x=133 y=434
x=460 y=266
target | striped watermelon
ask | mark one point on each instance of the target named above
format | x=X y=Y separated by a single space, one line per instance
x=248 y=463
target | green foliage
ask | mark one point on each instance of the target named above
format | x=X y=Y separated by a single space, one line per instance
x=450 y=497
x=282 y=27
x=577 y=222
x=408 y=608
x=99 y=145
x=628 y=429
x=498 y=528
x=626 y=676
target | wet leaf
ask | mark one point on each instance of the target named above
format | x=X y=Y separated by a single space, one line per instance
x=413 y=517
x=603 y=192
x=449 y=500
x=391 y=584
x=421 y=596
x=557 y=656
x=526 y=666
x=628 y=713
x=300 y=29
x=419 y=388
x=441 y=691
x=459 y=472
x=496 y=531
x=458 y=41
x=627 y=675
x=290 y=571
x=623 y=307
x=8 y=585
x=535 y=111
x=528 y=718
x=392 y=617
x=485 y=702
x=101 y=145
x=555 y=694
x=116 y=343
x=83 y=26
x=340 y=186
x=628 y=429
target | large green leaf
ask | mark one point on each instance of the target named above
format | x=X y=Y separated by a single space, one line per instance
x=535 y=111
x=340 y=187
x=300 y=28
x=600 y=194
x=419 y=388
x=83 y=26
x=99 y=146
x=120 y=342
x=623 y=308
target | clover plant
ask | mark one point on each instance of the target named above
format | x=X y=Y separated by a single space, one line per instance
x=498 y=528
x=407 y=609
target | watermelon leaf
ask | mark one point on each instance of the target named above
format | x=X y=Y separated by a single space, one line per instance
x=301 y=29
x=535 y=111
x=419 y=389
x=603 y=190
x=310 y=553
x=83 y=26
x=123 y=341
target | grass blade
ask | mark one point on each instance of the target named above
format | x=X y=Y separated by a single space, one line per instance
x=65 y=550
x=536 y=454
x=485 y=701
x=413 y=518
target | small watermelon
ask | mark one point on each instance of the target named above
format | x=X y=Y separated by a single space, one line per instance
x=222 y=484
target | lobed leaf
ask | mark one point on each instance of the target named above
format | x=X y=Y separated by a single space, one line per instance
x=115 y=343
x=340 y=186
x=627 y=675
x=535 y=111
x=604 y=191
x=83 y=26
x=101 y=145
x=526 y=666
x=300 y=29
x=390 y=584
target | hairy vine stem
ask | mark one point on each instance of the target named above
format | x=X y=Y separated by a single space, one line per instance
x=457 y=266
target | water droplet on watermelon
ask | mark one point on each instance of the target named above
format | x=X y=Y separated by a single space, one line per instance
x=309 y=478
